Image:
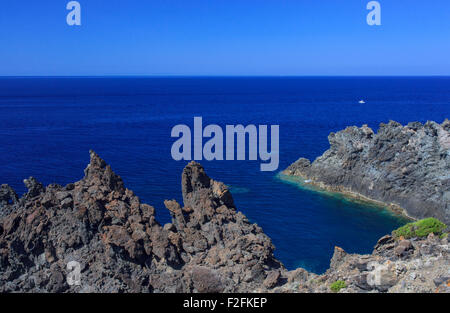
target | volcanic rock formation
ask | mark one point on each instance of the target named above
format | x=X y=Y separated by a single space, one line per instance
x=120 y=246
x=208 y=247
x=407 y=167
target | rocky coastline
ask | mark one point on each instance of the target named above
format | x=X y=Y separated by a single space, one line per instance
x=406 y=168
x=208 y=247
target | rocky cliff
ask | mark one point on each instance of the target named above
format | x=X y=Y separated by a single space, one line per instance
x=407 y=167
x=208 y=247
x=120 y=246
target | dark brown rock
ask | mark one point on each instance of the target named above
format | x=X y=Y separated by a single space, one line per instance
x=272 y=279
x=403 y=247
x=103 y=226
x=208 y=247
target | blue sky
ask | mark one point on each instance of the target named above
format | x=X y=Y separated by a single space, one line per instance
x=225 y=37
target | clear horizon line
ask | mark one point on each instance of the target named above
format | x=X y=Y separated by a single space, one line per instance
x=206 y=76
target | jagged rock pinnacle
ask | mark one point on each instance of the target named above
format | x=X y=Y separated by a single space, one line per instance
x=7 y=195
x=208 y=247
x=119 y=243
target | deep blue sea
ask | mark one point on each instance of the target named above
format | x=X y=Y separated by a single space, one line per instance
x=48 y=125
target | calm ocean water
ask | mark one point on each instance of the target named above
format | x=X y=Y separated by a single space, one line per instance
x=48 y=125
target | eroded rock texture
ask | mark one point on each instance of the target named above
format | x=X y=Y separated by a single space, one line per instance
x=396 y=266
x=408 y=166
x=209 y=246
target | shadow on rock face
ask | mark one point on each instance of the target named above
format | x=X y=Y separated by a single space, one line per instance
x=102 y=225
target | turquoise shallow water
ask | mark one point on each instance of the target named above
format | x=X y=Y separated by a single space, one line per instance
x=48 y=125
x=352 y=203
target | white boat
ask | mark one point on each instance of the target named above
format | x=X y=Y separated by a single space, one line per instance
x=308 y=181
x=362 y=101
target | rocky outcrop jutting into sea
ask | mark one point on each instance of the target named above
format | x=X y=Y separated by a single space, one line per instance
x=208 y=247
x=120 y=245
x=407 y=167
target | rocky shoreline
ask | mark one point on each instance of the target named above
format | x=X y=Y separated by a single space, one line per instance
x=307 y=183
x=208 y=247
x=406 y=168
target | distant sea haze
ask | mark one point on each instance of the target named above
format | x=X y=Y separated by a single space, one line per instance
x=48 y=125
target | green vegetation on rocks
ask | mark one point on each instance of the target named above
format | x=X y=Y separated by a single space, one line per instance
x=420 y=228
x=337 y=285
